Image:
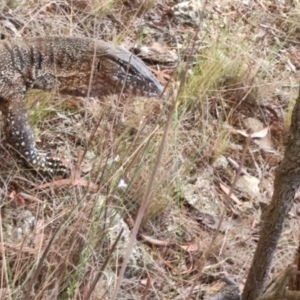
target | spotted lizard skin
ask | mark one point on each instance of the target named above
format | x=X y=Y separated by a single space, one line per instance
x=72 y=66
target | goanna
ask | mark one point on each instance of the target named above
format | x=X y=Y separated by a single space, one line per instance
x=73 y=66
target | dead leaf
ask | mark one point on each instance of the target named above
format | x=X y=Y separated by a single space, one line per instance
x=254 y=223
x=30 y=198
x=157 y=242
x=12 y=195
x=226 y=190
x=190 y=247
x=241 y=132
x=18 y=198
x=68 y=181
x=39 y=234
x=147 y=281
x=260 y=134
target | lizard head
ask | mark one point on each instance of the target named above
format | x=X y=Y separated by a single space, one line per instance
x=125 y=72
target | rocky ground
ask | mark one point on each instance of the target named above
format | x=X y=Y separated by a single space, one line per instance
x=241 y=65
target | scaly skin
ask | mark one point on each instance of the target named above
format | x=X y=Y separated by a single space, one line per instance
x=72 y=66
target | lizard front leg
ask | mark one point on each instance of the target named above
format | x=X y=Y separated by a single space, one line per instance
x=20 y=137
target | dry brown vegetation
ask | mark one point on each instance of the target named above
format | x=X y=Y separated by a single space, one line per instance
x=58 y=237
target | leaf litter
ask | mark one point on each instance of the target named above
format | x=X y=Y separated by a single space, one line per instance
x=216 y=114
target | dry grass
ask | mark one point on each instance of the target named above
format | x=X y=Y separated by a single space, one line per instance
x=242 y=67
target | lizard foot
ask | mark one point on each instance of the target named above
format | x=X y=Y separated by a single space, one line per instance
x=45 y=164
